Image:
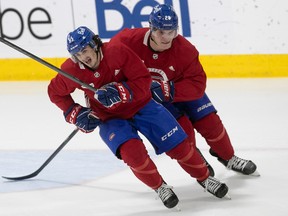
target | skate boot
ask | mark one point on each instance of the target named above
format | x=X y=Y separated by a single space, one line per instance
x=167 y=196
x=214 y=186
x=210 y=168
x=237 y=164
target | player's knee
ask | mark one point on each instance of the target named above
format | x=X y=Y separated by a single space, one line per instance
x=188 y=128
x=209 y=126
x=182 y=151
x=133 y=153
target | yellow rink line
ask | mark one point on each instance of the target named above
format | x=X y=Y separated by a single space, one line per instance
x=216 y=66
x=264 y=65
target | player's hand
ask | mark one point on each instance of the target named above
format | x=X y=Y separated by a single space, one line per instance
x=113 y=94
x=162 y=91
x=82 y=117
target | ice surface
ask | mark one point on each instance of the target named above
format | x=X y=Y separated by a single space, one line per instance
x=86 y=179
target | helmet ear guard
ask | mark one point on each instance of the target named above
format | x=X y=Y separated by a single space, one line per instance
x=97 y=42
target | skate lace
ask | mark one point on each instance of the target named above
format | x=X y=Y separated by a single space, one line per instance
x=237 y=163
x=211 y=184
x=165 y=192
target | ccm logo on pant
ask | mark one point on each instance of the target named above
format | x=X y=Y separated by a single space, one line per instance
x=169 y=134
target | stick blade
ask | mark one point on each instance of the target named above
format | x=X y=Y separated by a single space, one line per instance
x=19 y=178
x=35 y=173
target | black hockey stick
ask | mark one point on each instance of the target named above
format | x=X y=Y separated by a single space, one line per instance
x=47 y=64
x=69 y=76
x=47 y=161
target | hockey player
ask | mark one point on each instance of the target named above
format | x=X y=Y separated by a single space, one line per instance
x=178 y=77
x=122 y=106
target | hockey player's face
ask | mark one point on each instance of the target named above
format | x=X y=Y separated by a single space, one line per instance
x=162 y=39
x=88 y=57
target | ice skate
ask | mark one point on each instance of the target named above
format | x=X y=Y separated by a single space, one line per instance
x=210 y=168
x=246 y=167
x=167 y=196
x=215 y=187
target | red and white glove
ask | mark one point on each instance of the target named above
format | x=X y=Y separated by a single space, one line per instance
x=82 y=117
x=162 y=91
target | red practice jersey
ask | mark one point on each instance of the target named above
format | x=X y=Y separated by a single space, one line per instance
x=180 y=63
x=118 y=64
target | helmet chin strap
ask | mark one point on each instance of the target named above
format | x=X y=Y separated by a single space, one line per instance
x=152 y=39
x=98 y=55
x=97 y=51
x=155 y=44
x=98 y=43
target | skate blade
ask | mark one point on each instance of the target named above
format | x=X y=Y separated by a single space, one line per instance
x=175 y=209
x=227 y=196
x=255 y=174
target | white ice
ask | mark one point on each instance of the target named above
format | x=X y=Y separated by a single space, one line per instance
x=85 y=179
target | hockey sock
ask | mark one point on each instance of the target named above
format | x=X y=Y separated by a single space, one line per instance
x=135 y=155
x=190 y=160
x=215 y=134
x=188 y=128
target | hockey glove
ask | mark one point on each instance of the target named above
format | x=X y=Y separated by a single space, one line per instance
x=113 y=94
x=162 y=91
x=82 y=117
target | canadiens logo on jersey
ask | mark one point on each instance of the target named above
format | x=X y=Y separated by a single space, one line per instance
x=97 y=74
x=155 y=56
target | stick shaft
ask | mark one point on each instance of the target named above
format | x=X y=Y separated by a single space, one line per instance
x=47 y=64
